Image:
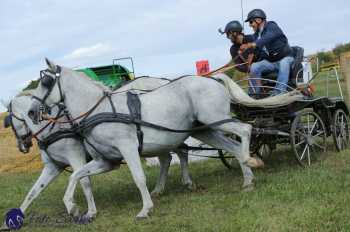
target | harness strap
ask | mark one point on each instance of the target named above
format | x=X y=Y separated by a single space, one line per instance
x=109 y=96
x=42 y=129
x=125 y=118
x=56 y=136
x=134 y=105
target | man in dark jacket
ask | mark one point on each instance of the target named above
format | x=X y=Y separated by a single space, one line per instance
x=233 y=31
x=274 y=51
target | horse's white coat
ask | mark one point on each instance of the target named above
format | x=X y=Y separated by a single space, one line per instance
x=177 y=105
x=64 y=152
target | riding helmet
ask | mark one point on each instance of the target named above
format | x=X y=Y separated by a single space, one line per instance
x=233 y=26
x=256 y=13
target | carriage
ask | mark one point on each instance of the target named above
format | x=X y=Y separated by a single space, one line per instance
x=304 y=124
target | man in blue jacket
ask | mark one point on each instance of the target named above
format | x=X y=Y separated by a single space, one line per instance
x=233 y=31
x=274 y=51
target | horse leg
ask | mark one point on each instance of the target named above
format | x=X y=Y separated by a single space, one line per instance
x=186 y=178
x=132 y=158
x=48 y=174
x=94 y=167
x=85 y=183
x=164 y=162
x=243 y=130
x=220 y=141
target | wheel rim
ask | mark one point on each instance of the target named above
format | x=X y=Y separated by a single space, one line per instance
x=341 y=133
x=308 y=137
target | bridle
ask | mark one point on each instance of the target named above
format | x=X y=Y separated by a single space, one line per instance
x=48 y=81
x=26 y=139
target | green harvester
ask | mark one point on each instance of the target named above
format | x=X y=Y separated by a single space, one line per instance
x=113 y=75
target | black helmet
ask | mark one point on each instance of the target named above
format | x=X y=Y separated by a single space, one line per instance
x=233 y=26
x=256 y=13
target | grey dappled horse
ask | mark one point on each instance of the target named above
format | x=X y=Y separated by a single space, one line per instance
x=62 y=153
x=70 y=151
x=176 y=105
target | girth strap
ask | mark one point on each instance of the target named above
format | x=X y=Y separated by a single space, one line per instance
x=134 y=105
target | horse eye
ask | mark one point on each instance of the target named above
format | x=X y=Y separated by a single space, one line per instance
x=47 y=81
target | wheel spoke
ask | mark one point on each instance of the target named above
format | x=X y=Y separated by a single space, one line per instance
x=313 y=126
x=318 y=145
x=302 y=155
x=300 y=132
x=342 y=119
x=308 y=155
x=298 y=144
x=340 y=142
x=316 y=135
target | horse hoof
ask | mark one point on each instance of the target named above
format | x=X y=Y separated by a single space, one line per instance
x=74 y=212
x=156 y=193
x=248 y=188
x=142 y=217
x=255 y=163
x=190 y=186
x=84 y=219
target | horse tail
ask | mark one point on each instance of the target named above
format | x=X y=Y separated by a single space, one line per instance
x=237 y=94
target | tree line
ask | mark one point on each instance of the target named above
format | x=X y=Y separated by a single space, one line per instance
x=333 y=56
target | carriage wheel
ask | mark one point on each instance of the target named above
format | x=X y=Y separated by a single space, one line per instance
x=340 y=132
x=308 y=137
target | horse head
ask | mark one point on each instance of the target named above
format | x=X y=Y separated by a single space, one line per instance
x=20 y=129
x=47 y=93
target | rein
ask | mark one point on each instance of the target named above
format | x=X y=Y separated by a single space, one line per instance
x=134 y=117
x=112 y=117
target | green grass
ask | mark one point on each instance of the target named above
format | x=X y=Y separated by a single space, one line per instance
x=287 y=198
x=329 y=87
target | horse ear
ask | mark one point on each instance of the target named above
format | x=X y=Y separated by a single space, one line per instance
x=52 y=66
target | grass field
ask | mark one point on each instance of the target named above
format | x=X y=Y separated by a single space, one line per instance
x=286 y=198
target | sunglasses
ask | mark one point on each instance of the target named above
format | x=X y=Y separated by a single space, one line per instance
x=251 y=22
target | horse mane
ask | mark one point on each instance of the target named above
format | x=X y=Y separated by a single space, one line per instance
x=26 y=93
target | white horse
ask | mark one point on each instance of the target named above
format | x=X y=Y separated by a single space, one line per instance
x=57 y=156
x=176 y=105
x=69 y=151
x=143 y=85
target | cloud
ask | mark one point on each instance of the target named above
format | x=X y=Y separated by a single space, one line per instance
x=96 y=50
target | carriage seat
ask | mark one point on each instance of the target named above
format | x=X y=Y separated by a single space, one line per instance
x=295 y=73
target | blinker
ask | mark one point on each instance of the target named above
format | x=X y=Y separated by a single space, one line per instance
x=47 y=81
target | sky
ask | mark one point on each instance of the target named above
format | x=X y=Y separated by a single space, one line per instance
x=165 y=38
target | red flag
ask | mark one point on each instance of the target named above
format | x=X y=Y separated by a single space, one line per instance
x=202 y=67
